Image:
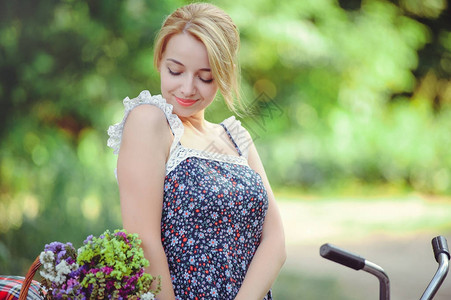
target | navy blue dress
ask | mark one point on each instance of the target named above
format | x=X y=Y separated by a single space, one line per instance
x=214 y=207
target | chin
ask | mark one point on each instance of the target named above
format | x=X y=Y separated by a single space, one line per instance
x=183 y=112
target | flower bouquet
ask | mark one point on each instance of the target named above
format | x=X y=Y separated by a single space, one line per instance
x=110 y=266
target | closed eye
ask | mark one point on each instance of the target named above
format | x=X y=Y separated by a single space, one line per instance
x=178 y=73
x=206 y=80
x=174 y=73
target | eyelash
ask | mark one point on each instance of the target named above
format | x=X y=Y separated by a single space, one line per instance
x=178 y=73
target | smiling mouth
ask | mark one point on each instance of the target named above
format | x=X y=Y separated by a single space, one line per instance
x=185 y=102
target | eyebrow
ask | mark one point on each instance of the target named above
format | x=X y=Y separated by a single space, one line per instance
x=179 y=63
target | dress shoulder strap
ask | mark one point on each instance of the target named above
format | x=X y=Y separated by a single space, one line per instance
x=238 y=134
x=115 y=131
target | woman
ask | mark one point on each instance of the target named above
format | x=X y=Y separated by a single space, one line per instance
x=194 y=191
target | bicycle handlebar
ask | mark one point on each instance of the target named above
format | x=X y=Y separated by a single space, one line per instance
x=441 y=253
x=353 y=261
x=341 y=256
x=440 y=245
x=356 y=262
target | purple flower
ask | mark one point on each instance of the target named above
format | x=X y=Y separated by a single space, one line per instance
x=84 y=268
x=110 y=285
x=88 y=239
x=130 y=284
x=55 y=247
x=122 y=234
x=60 y=256
x=107 y=270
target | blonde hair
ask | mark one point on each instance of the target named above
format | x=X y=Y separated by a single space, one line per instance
x=216 y=30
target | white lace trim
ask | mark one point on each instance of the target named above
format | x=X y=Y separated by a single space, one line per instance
x=239 y=135
x=181 y=153
x=115 y=131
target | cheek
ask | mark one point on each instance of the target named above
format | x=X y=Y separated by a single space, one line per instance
x=166 y=83
x=209 y=91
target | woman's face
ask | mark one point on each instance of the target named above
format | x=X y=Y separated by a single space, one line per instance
x=186 y=78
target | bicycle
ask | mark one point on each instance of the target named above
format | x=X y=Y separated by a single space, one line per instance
x=356 y=262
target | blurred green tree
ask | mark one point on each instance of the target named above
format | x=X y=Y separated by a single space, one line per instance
x=62 y=63
x=364 y=86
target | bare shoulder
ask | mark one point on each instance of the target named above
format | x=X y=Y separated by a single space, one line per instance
x=146 y=129
x=252 y=154
x=147 y=116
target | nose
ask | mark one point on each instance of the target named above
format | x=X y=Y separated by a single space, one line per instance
x=188 y=88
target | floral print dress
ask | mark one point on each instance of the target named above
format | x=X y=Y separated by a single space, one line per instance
x=214 y=207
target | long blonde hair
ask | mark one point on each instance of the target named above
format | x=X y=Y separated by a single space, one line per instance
x=216 y=30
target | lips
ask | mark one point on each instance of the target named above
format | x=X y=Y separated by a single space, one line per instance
x=185 y=102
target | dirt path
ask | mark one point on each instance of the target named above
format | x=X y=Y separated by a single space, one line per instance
x=395 y=234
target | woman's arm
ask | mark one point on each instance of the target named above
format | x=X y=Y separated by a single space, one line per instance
x=145 y=144
x=270 y=254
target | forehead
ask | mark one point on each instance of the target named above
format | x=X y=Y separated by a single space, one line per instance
x=188 y=50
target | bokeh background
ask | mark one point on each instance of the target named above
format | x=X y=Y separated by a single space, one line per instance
x=351 y=113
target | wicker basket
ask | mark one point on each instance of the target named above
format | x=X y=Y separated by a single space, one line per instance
x=29 y=278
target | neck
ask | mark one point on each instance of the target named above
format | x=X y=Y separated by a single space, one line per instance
x=196 y=122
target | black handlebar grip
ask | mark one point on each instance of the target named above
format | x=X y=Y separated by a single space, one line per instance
x=440 y=245
x=341 y=256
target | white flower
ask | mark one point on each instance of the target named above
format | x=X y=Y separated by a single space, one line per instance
x=62 y=269
x=148 y=296
x=47 y=275
x=46 y=255
x=47 y=259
